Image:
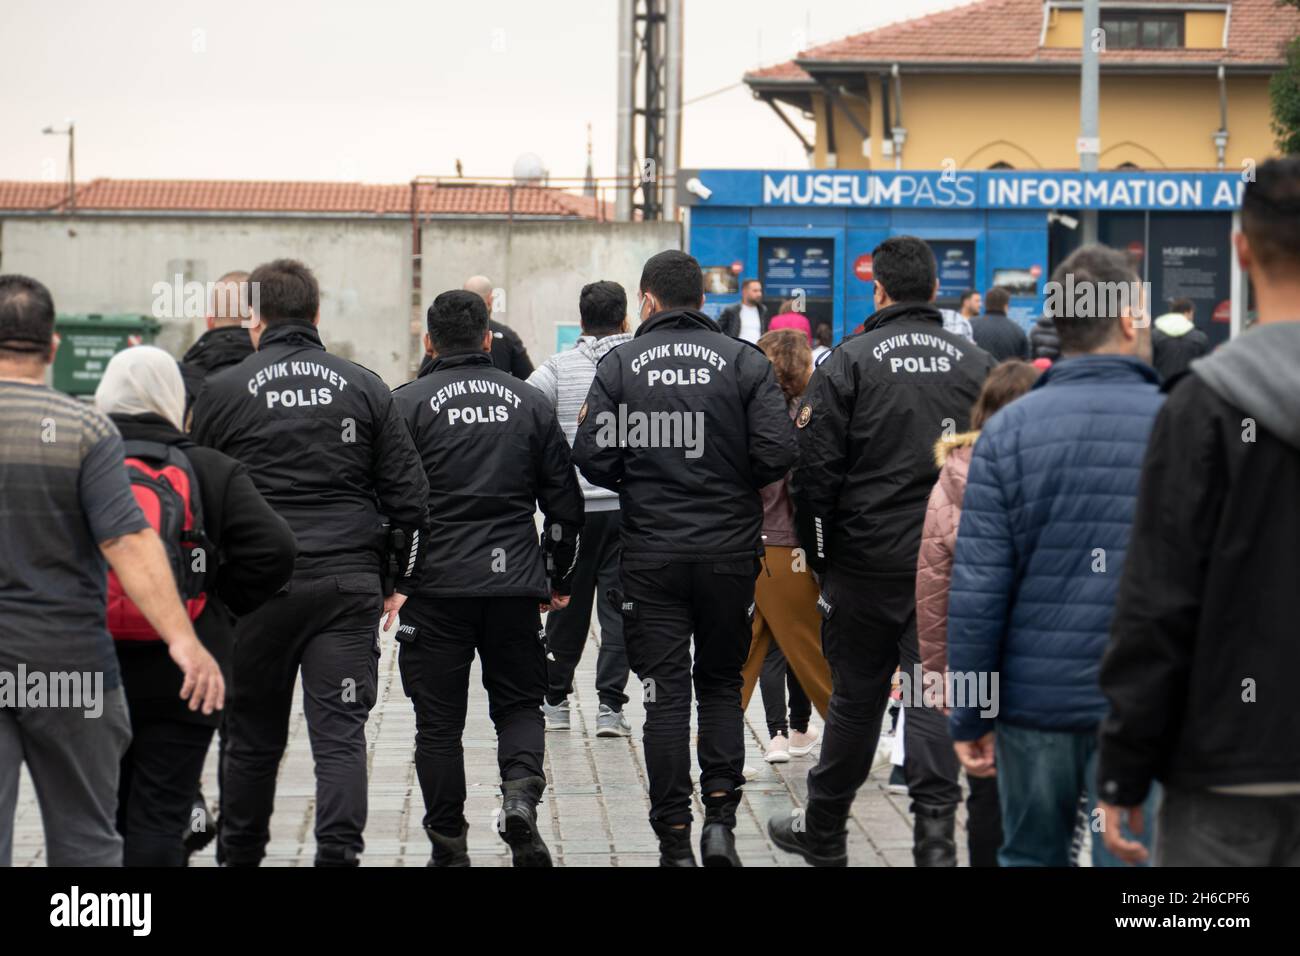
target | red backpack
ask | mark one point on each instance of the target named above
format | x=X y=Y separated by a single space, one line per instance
x=167 y=491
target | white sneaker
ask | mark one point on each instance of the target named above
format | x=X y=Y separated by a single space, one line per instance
x=557 y=716
x=778 y=750
x=802 y=744
x=611 y=723
x=749 y=773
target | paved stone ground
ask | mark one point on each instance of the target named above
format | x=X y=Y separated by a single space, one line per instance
x=595 y=809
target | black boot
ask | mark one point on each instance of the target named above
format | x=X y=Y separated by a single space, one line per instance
x=718 y=838
x=932 y=837
x=449 y=850
x=674 y=845
x=817 y=834
x=518 y=823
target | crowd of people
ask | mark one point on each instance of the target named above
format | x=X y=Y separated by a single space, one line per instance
x=1071 y=555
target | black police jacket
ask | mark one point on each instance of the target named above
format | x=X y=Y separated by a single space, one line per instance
x=867 y=427
x=686 y=424
x=216 y=349
x=323 y=442
x=493 y=452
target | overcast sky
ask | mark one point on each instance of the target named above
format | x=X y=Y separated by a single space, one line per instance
x=377 y=91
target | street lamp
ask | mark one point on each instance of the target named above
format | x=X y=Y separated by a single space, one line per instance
x=71 y=133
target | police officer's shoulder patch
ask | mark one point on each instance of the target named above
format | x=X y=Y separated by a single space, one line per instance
x=582 y=413
x=805 y=416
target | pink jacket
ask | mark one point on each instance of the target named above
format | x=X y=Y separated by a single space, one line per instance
x=791 y=320
x=938 y=542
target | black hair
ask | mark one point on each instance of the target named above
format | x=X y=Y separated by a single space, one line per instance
x=603 y=307
x=1270 y=214
x=744 y=283
x=26 y=317
x=1098 y=271
x=1182 y=305
x=823 y=335
x=458 y=320
x=966 y=295
x=675 y=279
x=285 y=291
x=905 y=268
x=996 y=299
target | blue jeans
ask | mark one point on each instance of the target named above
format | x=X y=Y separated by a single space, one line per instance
x=1041 y=774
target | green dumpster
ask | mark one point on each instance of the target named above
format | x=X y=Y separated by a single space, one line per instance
x=87 y=342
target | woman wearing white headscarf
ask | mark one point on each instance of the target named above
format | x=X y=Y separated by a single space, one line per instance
x=142 y=392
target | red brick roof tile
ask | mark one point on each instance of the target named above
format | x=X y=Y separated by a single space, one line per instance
x=177 y=195
x=991 y=32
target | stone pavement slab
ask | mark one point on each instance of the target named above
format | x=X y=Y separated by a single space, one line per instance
x=595 y=810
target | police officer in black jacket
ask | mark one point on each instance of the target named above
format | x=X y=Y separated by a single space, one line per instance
x=323 y=442
x=494 y=452
x=867 y=428
x=687 y=424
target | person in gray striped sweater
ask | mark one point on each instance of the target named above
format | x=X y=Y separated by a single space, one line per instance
x=565 y=379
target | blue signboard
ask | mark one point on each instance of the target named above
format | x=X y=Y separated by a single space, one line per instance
x=790 y=265
x=942 y=189
x=956 y=267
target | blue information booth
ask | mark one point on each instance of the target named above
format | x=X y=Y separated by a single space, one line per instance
x=812 y=231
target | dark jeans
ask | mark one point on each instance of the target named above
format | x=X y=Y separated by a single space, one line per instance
x=664 y=604
x=328 y=626
x=435 y=661
x=595 y=575
x=868 y=629
x=74 y=761
x=1040 y=776
x=1203 y=828
x=983 y=821
x=772 y=682
x=156 y=789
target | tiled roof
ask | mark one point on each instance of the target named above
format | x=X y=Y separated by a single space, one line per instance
x=178 y=195
x=991 y=32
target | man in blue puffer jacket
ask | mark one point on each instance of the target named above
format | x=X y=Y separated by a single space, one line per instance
x=1044 y=528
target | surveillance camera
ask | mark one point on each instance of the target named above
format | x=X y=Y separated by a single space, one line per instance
x=697 y=188
x=1069 y=222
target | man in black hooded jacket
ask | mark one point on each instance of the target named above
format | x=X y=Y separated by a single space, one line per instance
x=1200 y=670
x=226 y=342
x=687 y=424
x=867 y=428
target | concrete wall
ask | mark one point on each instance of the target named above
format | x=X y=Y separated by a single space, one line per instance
x=102 y=264
x=541 y=267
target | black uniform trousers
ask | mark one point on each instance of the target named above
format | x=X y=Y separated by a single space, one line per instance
x=664 y=603
x=155 y=792
x=329 y=626
x=594 y=576
x=435 y=660
x=868 y=629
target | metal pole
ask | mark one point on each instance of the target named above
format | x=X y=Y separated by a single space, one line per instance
x=1089 y=95
x=673 y=32
x=626 y=74
x=72 y=167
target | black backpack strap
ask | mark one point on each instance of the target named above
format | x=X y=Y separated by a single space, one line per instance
x=152 y=450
